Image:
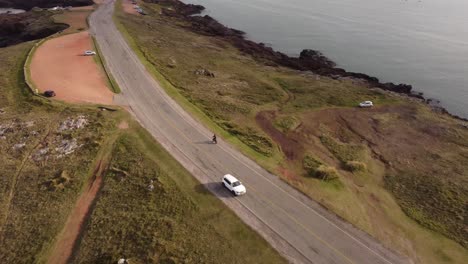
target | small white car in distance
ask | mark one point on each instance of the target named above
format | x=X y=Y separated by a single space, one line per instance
x=366 y=104
x=89 y=53
x=233 y=185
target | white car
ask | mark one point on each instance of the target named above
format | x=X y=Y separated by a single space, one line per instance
x=89 y=53
x=366 y=104
x=233 y=185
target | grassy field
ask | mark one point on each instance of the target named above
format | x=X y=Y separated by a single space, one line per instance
x=173 y=223
x=45 y=161
x=48 y=152
x=380 y=163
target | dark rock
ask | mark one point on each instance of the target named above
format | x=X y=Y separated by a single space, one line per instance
x=17 y=28
x=314 y=59
x=178 y=8
x=29 y=4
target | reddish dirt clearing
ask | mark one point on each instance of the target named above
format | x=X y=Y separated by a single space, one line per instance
x=59 y=65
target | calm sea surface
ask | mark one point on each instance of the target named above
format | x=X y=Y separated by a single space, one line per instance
x=419 y=42
x=10 y=11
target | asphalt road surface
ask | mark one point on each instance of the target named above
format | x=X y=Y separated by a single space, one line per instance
x=299 y=228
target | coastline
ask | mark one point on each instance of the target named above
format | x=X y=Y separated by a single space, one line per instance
x=308 y=60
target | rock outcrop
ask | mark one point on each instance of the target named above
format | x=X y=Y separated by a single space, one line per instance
x=308 y=60
x=29 y=4
x=17 y=28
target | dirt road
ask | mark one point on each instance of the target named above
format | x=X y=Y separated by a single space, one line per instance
x=296 y=226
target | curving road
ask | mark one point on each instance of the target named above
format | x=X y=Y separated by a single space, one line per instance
x=299 y=228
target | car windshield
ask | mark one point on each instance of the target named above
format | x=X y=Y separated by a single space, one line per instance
x=237 y=183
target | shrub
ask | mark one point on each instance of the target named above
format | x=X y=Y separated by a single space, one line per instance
x=356 y=166
x=251 y=137
x=287 y=123
x=342 y=151
x=310 y=165
x=326 y=173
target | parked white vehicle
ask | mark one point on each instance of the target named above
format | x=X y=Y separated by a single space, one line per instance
x=366 y=104
x=89 y=53
x=233 y=185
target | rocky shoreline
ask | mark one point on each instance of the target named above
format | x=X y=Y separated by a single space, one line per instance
x=35 y=23
x=29 y=4
x=27 y=26
x=308 y=60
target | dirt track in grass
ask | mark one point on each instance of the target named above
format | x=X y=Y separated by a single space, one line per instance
x=63 y=249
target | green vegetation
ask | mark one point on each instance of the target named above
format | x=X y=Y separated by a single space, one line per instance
x=342 y=151
x=100 y=60
x=311 y=164
x=356 y=166
x=250 y=137
x=177 y=221
x=44 y=161
x=326 y=173
x=286 y=123
x=439 y=205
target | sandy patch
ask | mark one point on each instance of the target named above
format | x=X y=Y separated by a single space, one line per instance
x=58 y=65
x=123 y=125
x=128 y=7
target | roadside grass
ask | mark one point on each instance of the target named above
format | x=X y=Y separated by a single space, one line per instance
x=100 y=60
x=176 y=222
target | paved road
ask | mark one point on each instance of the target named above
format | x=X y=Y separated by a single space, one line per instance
x=293 y=224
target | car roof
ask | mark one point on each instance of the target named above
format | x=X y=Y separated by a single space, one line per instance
x=230 y=178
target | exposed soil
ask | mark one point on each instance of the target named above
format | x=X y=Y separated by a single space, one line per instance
x=123 y=125
x=59 y=65
x=290 y=147
x=128 y=7
x=64 y=245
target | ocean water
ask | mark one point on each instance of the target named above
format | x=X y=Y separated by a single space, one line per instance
x=11 y=11
x=420 y=42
